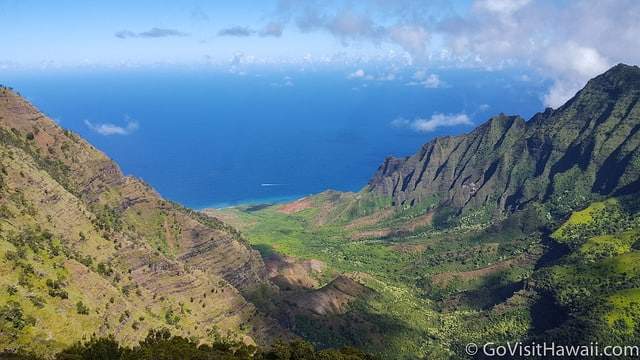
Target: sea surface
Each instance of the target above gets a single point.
(214, 138)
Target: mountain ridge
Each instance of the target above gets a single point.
(579, 137)
(516, 231)
(76, 232)
(87, 250)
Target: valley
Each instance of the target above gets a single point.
(516, 231)
(474, 254)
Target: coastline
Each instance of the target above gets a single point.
(274, 200)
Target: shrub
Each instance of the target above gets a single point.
(160, 344)
(96, 348)
(56, 289)
(444, 218)
(104, 269)
(124, 316)
(60, 293)
(86, 261)
(171, 318)
(12, 290)
(5, 213)
(12, 317)
(37, 301)
(81, 308)
(11, 255)
(107, 219)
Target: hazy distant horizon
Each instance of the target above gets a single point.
(212, 138)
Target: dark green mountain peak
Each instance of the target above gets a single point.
(585, 150)
(620, 77)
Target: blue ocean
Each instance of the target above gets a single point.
(212, 138)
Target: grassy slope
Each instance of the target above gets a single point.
(598, 283)
(87, 267)
(73, 263)
(407, 309)
(440, 289)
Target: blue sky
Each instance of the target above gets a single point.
(76, 32)
(71, 33)
(566, 42)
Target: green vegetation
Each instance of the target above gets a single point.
(433, 285)
(453, 281)
(171, 318)
(161, 344)
(107, 219)
(13, 318)
(475, 238)
(86, 250)
(597, 283)
(55, 167)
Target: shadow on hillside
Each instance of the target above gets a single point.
(359, 327)
(546, 314)
(554, 252)
(264, 250)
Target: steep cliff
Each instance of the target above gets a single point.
(585, 150)
(86, 250)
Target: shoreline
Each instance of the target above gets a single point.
(274, 200)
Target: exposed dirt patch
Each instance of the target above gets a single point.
(289, 273)
(406, 228)
(410, 248)
(371, 234)
(370, 220)
(230, 217)
(333, 298)
(418, 222)
(325, 213)
(296, 206)
(444, 278)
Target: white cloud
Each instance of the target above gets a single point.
(151, 33)
(238, 31)
(387, 77)
(567, 42)
(574, 65)
(400, 123)
(560, 92)
(432, 123)
(359, 74)
(502, 7)
(109, 129)
(571, 57)
(287, 81)
(274, 29)
(413, 39)
(351, 25)
(429, 81)
(483, 108)
(358, 23)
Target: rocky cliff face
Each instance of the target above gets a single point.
(97, 181)
(586, 149)
(74, 230)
